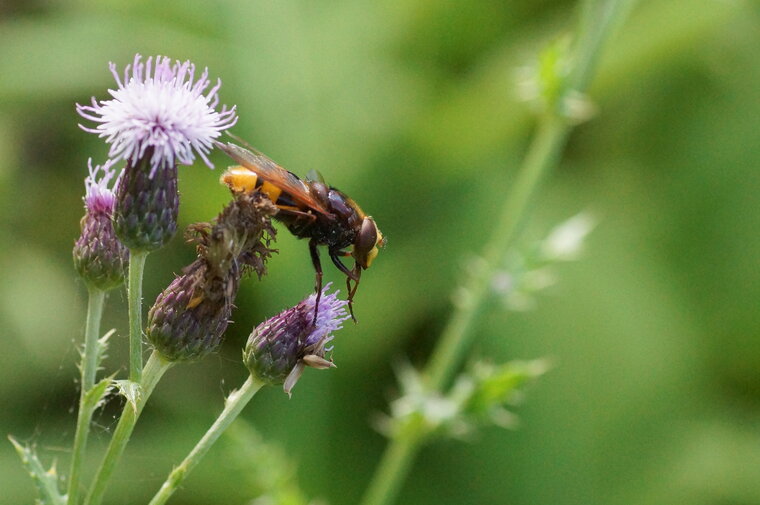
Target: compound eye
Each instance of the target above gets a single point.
(367, 237)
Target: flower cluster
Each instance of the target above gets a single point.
(160, 115)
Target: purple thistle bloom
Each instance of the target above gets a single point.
(99, 257)
(330, 317)
(159, 109)
(281, 347)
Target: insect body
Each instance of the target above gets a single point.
(310, 209)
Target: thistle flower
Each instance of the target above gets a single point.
(281, 347)
(159, 112)
(159, 116)
(189, 317)
(99, 257)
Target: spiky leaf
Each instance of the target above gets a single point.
(46, 481)
(97, 393)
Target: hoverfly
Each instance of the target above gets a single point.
(310, 209)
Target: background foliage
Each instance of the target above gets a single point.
(411, 107)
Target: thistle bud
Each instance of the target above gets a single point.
(190, 316)
(281, 347)
(147, 205)
(99, 257)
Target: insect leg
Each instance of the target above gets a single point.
(294, 211)
(357, 272)
(335, 257)
(318, 282)
(351, 275)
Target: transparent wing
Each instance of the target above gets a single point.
(273, 173)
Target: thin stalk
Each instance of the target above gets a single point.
(543, 154)
(232, 408)
(597, 21)
(392, 471)
(154, 370)
(88, 369)
(134, 293)
(457, 335)
(95, 305)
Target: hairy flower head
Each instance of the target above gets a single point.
(159, 109)
(281, 347)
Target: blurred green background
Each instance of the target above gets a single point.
(411, 107)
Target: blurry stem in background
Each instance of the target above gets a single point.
(154, 370)
(233, 405)
(598, 19)
(134, 296)
(457, 336)
(88, 369)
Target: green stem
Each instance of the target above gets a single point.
(392, 470)
(457, 336)
(134, 293)
(88, 368)
(154, 369)
(597, 21)
(91, 334)
(232, 408)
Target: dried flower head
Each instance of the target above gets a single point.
(240, 234)
(99, 257)
(159, 110)
(190, 316)
(281, 347)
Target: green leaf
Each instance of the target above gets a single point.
(94, 397)
(497, 384)
(552, 71)
(45, 480)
